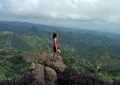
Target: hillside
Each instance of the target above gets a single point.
(85, 42)
(12, 65)
(45, 72)
(13, 41)
(79, 47)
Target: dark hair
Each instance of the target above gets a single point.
(54, 35)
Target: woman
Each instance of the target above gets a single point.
(55, 47)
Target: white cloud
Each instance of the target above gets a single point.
(106, 10)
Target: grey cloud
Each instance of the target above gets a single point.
(105, 10)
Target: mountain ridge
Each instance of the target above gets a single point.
(98, 48)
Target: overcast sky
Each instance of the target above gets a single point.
(78, 10)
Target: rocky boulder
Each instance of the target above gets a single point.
(50, 76)
(39, 74)
(44, 69)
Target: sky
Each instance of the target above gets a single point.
(53, 11)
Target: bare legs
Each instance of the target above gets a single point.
(55, 55)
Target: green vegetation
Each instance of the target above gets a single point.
(12, 65)
(97, 68)
(90, 52)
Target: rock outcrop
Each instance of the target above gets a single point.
(46, 70)
(39, 74)
(51, 76)
(43, 71)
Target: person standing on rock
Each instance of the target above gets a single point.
(55, 47)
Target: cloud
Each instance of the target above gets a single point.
(1, 7)
(61, 9)
(103, 10)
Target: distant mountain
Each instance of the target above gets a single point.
(90, 45)
(97, 25)
(87, 43)
(20, 26)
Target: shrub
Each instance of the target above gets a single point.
(116, 82)
(68, 77)
(71, 77)
(26, 79)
